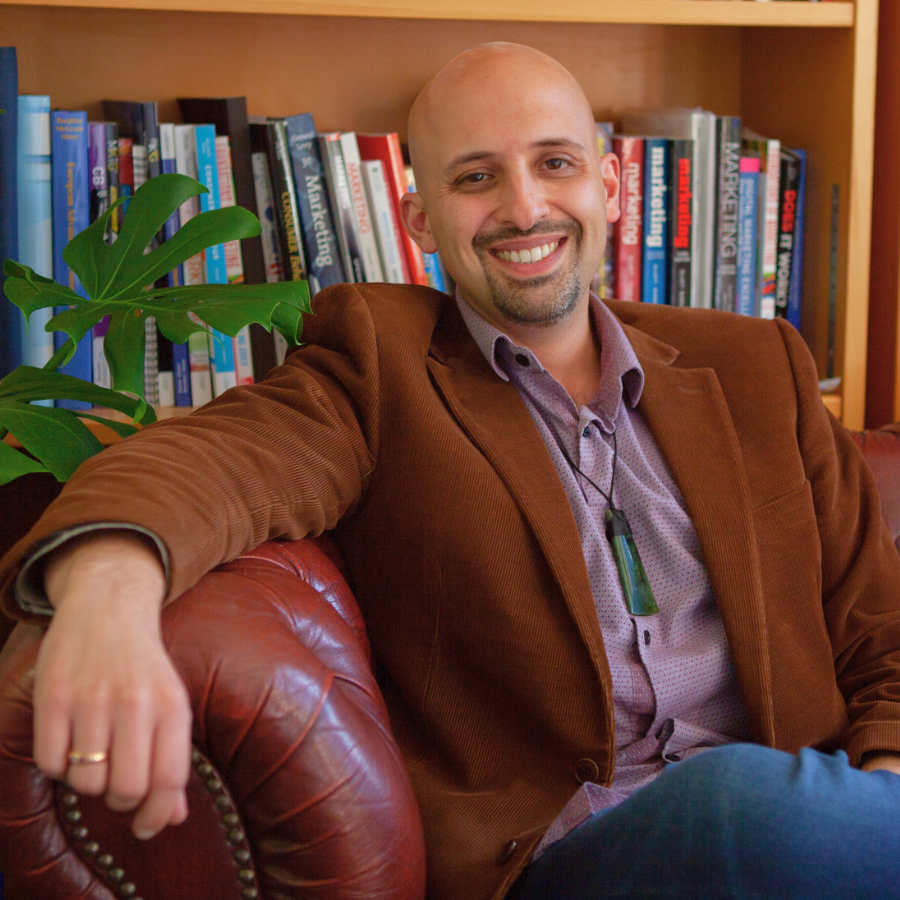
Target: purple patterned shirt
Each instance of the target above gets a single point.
(675, 692)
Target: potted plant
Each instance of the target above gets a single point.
(119, 280)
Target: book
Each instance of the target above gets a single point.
(699, 125)
(728, 141)
(99, 203)
(234, 263)
(748, 230)
(789, 181)
(387, 228)
(629, 233)
(112, 175)
(341, 205)
(795, 295)
(654, 268)
(768, 150)
(365, 231)
(386, 147)
(605, 279)
(680, 221)
(126, 176)
(265, 212)
(181, 359)
(12, 325)
(221, 349)
(317, 227)
(71, 206)
(194, 268)
(35, 217)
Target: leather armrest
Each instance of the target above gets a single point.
(297, 789)
(881, 448)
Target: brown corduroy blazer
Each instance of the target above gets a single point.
(390, 428)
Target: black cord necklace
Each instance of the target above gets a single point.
(635, 585)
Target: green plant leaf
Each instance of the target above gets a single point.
(123, 429)
(28, 383)
(123, 347)
(55, 436)
(30, 291)
(14, 464)
(79, 320)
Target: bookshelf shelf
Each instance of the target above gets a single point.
(800, 71)
(659, 12)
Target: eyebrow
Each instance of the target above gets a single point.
(481, 155)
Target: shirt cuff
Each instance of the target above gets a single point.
(29, 589)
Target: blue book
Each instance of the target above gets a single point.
(654, 269)
(320, 242)
(181, 358)
(748, 232)
(221, 346)
(795, 293)
(71, 215)
(12, 325)
(36, 217)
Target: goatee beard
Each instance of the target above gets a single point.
(524, 302)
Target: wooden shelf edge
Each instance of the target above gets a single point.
(780, 13)
(833, 403)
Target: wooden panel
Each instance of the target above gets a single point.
(701, 12)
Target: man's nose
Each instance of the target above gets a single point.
(524, 201)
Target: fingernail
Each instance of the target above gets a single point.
(144, 835)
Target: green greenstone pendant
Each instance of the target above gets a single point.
(638, 595)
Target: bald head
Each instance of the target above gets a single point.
(469, 88)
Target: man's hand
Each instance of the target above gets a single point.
(105, 684)
(886, 760)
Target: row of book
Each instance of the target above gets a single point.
(328, 204)
(712, 215)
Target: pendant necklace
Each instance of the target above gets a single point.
(635, 585)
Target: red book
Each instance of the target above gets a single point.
(628, 238)
(386, 147)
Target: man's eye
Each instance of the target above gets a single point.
(473, 178)
(556, 163)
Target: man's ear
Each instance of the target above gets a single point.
(609, 171)
(415, 221)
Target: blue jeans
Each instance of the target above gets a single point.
(740, 821)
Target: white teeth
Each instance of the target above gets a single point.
(527, 256)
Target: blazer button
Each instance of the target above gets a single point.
(586, 770)
(509, 851)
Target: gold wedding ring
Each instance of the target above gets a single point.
(76, 758)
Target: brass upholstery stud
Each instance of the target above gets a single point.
(236, 837)
(223, 804)
(246, 876)
(127, 889)
(91, 848)
(214, 786)
(116, 875)
(231, 819)
(73, 816)
(105, 860)
(80, 833)
(204, 770)
(250, 893)
(70, 800)
(242, 856)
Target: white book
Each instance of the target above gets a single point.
(700, 126)
(198, 343)
(769, 152)
(265, 212)
(384, 220)
(368, 243)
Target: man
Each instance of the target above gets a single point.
(466, 452)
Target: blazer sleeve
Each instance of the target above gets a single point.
(860, 567)
(280, 459)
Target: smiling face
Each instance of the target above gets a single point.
(513, 192)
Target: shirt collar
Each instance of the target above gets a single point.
(620, 368)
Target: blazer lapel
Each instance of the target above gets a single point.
(492, 414)
(689, 418)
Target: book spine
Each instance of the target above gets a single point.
(12, 324)
(126, 176)
(794, 309)
(386, 225)
(771, 154)
(71, 206)
(313, 207)
(181, 362)
(112, 176)
(99, 203)
(627, 245)
(35, 217)
(748, 227)
(341, 205)
(265, 212)
(368, 245)
(728, 130)
(224, 375)
(654, 288)
(681, 221)
(787, 218)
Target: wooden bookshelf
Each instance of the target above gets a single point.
(804, 72)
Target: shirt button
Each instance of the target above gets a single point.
(522, 359)
(586, 770)
(508, 852)
(587, 431)
(646, 636)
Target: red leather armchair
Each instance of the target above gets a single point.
(297, 788)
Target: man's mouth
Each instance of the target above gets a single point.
(535, 254)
